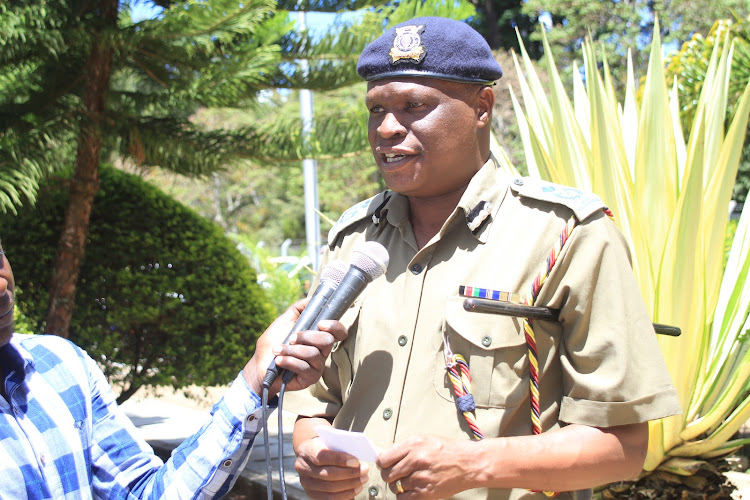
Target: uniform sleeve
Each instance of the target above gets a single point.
(613, 369)
(322, 399)
(206, 465)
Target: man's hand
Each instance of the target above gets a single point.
(427, 466)
(329, 475)
(305, 354)
(571, 458)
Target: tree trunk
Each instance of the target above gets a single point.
(127, 393)
(85, 182)
(493, 32)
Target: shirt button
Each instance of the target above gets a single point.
(518, 182)
(43, 459)
(402, 340)
(373, 490)
(387, 413)
(486, 341)
(227, 462)
(416, 269)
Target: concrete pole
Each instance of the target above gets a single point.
(310, 169)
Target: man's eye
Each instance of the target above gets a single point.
(415, 105)
(376, 109)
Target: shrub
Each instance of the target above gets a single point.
(163, 298)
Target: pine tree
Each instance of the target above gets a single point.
(81, 81)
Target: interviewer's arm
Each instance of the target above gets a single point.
(207, 464)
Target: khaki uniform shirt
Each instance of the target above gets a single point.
(599, 366)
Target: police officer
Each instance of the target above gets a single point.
(555, 407)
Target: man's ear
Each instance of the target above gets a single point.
(484, 103)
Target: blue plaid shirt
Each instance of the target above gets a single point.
(62, 434)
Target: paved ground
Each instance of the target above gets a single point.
(165, 419)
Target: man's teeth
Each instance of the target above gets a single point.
(391, 157)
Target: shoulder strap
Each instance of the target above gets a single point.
(582, 203)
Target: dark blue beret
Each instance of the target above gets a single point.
(432, 47)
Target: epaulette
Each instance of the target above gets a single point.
(582, 203)
(356, 213)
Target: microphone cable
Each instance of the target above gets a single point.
(280, 439)
(367, 264)
(330, 277)
(279, 436)
(269, 476)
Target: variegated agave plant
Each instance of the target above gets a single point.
(670, 197)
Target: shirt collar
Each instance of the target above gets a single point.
(482, 198)
(479, 203)
(14, 358)
(396, 210)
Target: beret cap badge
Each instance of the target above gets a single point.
(407, 45)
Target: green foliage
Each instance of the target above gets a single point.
(212, 53)
(622, 26)
(163, 297)
(20, 321)
(690, 63)
(267, 200)
(688, 67)
(40, 61)
(283, 284)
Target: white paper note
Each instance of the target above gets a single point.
(353, 443)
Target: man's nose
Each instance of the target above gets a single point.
(391, 126)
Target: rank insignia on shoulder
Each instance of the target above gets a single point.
(582, 203)
(407, 46)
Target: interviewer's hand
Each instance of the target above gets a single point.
(305, 354)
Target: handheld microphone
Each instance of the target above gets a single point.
(368, 262)
(330, 277)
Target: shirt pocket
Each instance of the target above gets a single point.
(494, 346)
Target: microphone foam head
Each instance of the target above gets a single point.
(372, 258)
(334, 272)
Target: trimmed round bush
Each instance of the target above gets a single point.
(163, 297)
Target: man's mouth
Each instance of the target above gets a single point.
(393, 157)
